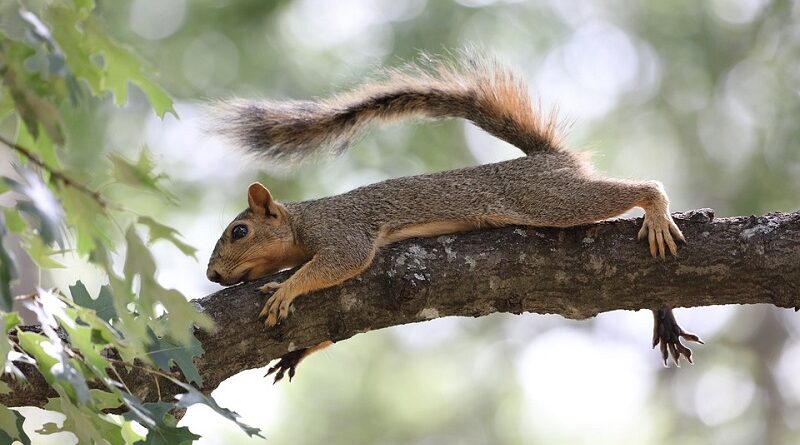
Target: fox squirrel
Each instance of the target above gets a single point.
(336, 238)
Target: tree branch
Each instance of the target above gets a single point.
(66, 180)
(576, 272)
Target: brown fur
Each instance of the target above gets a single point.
(426, 230)
(475, 88)
(338, 236)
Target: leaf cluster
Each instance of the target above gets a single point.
(55, 57)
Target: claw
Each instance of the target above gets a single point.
(673, 248)
(676, 231)
(277, 306)
(287, 365)
(676, 354)
(651, 238)
(284, 310)
(668, 333)
(264, 311)
(659, 230)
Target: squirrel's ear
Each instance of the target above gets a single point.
(260, 200)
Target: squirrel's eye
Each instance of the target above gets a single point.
(239, 231)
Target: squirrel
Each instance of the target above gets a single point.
(335, 238)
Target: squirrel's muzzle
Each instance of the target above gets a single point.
(213, 275)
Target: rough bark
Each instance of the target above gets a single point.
(576, 272)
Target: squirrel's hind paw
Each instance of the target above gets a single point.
(660, 231)
(287, 364)
(269, 287)
(668, 333)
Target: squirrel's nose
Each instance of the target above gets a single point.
(213, 275)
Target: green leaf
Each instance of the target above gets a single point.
(11, 23)
(133, 327)
(89, 344)
(8, 272)
(138, 259)
(103, 305)
(40, 253)
(14, 220)
(103, 335)
(84, 7)
(40, 205)
(139, 175)
(82, 40)
(11, 427)
(164, 352)
(87, 218)
(6, 104)
(32, 109)
(193, 396)
(57, 368)
(160, 231)
(181, 316)
(104, 400)
(22, 28)
(8, 321)
(165, 430)
(128, 335)
(82, 420)
(136, 410)
(131, 435)
(41, 145)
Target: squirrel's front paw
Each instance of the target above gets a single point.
(659, 230)
(667, 332)
(277, 307)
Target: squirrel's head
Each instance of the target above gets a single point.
(257, 243)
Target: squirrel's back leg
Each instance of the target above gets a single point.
(598, 199)
(592, 200)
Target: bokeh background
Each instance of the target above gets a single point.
(703, 96)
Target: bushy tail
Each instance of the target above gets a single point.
(475, 88)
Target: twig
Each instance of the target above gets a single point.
(141, 368)
(158, 387)
(119, 377)
(66, 180)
